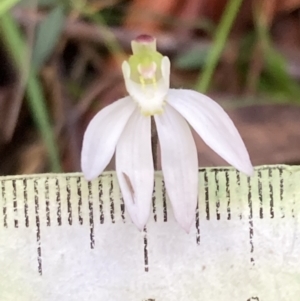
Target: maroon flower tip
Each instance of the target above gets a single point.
(144, 38)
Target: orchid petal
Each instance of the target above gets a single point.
(213, 125)
(134, 165)
(101, 136)
(179, 164)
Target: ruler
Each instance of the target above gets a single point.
(63, 238)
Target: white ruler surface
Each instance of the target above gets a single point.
(62, 238)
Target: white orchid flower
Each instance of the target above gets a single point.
(125, 127)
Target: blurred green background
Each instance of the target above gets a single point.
(60, 64)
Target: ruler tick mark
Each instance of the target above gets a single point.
(238, 181)
(100, 187)
(38, 229)
(164, 199)
(4, 208)
(91, 216)
(79, 200)
(197, 224)
(271, 194)
(206, 195)
(25, 203)
(15, 203)
(217, 196)
(251, 229)
(69, 204)
(48, 219)
(111, 199)
(281, 193)
(58, 202)
(154, 203)
(122, 206)
(146, 259)
(228, 195)
(260, 193)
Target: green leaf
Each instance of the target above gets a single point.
(39, 3)
(276, 72)
(48, 34)
(194, 58)
(47, 2)
(15, 44)
(6, 5)
(230, 13)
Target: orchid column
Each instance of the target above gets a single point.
(124, 127)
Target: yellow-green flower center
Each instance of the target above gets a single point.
(145, 63)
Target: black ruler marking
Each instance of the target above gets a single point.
(4, 208)
(146, 258)
(197, 224)
(281, 193)
(122, 205)
(111, 200)
(100, 187)
(15, 203)
(48, 218)
(260, 196)
(38, 229)
(58, 202)
(164, 199)
(228, 195)
(79, 200)
(271, 194)
(69, 204)
(238, 181)
(217, 196)
(206, 195)
(26, 208)
(251, 229)
(154, 203)
(91, 215)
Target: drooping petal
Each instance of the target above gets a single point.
(179, 164)
(134, 166)
(101, 136)
(213, 125)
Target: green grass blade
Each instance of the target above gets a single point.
(220, 39)
(16, 47)
(6, 5)
(47, 36)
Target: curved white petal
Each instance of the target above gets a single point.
(179, 164)
(213, 125)
(134, 166)
(101, 136)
